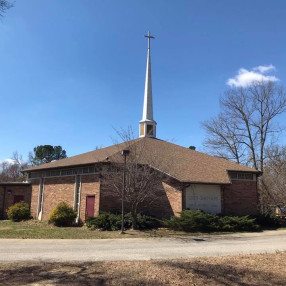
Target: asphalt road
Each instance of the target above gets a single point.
(62, 250)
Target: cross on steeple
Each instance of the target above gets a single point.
(149, 37)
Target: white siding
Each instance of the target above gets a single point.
(204, 197)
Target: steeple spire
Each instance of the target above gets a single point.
(147, 124)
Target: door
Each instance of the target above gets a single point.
(89, 209)
(204, 197)
(18, 199)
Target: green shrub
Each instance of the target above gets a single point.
(62, 215)
(205, 222)
(236, 223)
(145, 221)
(19, 211)
(110, 221)
(268, 221)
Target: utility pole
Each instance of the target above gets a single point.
(124, 153)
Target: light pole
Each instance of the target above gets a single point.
(124, 153)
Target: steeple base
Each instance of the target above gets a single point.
(147, 128)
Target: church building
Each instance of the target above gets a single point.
(189, 179)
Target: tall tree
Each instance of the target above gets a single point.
(246, 123)
(10, 171)
(46, 153)
(273, 181)
(4, 6)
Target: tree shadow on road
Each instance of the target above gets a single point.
(244, 270)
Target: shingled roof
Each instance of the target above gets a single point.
(179, 162)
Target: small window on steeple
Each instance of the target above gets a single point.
(141, 129)
(150, 129)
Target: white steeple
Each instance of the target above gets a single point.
(147, 126)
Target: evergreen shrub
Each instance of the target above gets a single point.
(19, 211)
(63, 215)
(268, 220)
(204, 222)
(111, 221)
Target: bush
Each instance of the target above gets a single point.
(145, 221)
(19, 211)
(107, 221)
(62, 215)
(236, 223)
(110, 221)
(268, 221)
(205, 222)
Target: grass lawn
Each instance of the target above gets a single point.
(258, 269)
(38, 229)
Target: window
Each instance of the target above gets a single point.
(64, 172)
(141, 129)
(241, 176)
(150, 129)
(34, 175)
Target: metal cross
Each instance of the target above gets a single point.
(149, 37)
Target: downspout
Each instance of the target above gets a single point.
(78, 194)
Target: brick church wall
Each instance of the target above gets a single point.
(240, 198)
(10, 192)
(57, 190)
(90, 185)
(34, 197)
(167, 201)
(61, 189)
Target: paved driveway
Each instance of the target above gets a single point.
(61, 250)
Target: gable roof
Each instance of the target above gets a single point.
(184, 164)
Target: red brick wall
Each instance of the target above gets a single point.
(175, 197)
(24, 190)
(35, 197)
(109, 200)
(167, 201)
(240, 198)
(57, 190)
(89, 186)
(61, 189)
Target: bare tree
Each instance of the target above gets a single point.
(246, 123)
(4, 6)
(143, 182)
(10, 171)
(273, 181)
(223, 138)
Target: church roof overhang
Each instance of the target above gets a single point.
(181, 163)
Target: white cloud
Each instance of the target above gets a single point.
(246, 77)
(264, 69)
(9, 161)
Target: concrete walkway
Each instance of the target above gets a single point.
(62, 250)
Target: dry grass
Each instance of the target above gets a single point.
(34, 229)
(262, 269)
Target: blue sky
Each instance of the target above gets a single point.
(71, 71)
